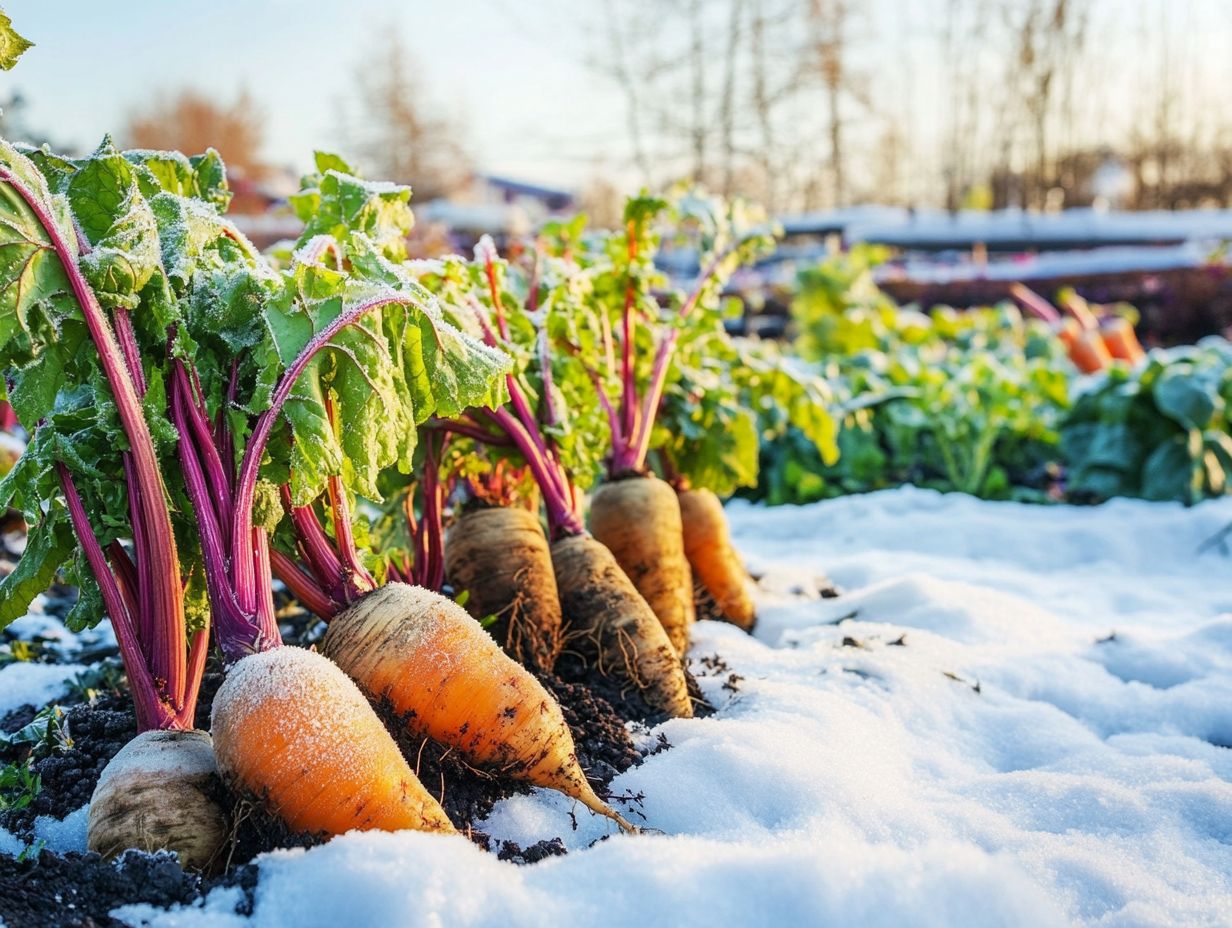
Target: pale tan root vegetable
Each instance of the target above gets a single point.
(501, 558)
(446, 677)
(715, 563)
(291, 728)
(611, 626)
(159, 793)
(638, 520)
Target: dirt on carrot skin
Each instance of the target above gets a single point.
(468, 794)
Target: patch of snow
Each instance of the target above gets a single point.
(66, 835)
(26, 683)
(10, 844)
(38, 623)
(1017, 715)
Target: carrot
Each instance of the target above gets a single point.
(1089, 354)
(1079, 309)
(290, 728)
(638, 519)
(707, 544)
(159, 793)
(615, 629)
(500, 556)
(1121, 341)
(613, 626)
(1068, 331)
(449, 680)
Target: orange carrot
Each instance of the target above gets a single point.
(1121, 340)
(446, 677)
(638, 519)
(290, 728)
(1069, 331)
(715, 563)
(1089, 354)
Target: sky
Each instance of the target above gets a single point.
(514, 74)
(515, 77)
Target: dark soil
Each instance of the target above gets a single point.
(79, 890)
(465, 793)
(624, 698)
(540, 850)
(69, 776)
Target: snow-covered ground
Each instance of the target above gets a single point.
(1014, 715)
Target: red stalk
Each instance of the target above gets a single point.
(628, 398)
(302, 586)
(160, 594)
(151, 705)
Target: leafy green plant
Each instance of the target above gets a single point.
(967, 401)
(19, 785)
(1160, 431)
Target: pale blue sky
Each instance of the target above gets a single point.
(516, 77)
(513, 72)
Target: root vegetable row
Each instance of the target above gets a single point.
(387, 438)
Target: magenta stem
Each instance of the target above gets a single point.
(168, 660)
(243, 578)
(152, 709)
(302, 587)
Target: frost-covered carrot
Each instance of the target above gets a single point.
(57, 245)
(288, 726)
(449, 680)
(715, 563)
(291, 726)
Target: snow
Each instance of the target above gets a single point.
(26, 683)
(1050, 265)
(40, 624)
(1014, 715)
(63, 835)
(925, 228)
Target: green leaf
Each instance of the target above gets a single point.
(1173, 470)
(12, 45)
(1190, 400)
(49, 545)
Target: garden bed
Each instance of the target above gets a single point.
(1016, 714)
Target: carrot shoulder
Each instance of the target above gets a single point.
(291, 728)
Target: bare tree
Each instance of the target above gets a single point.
(828, 20)
(397, 136)
(192, 122)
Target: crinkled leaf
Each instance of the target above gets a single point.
(12, 44)
(49, 545)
